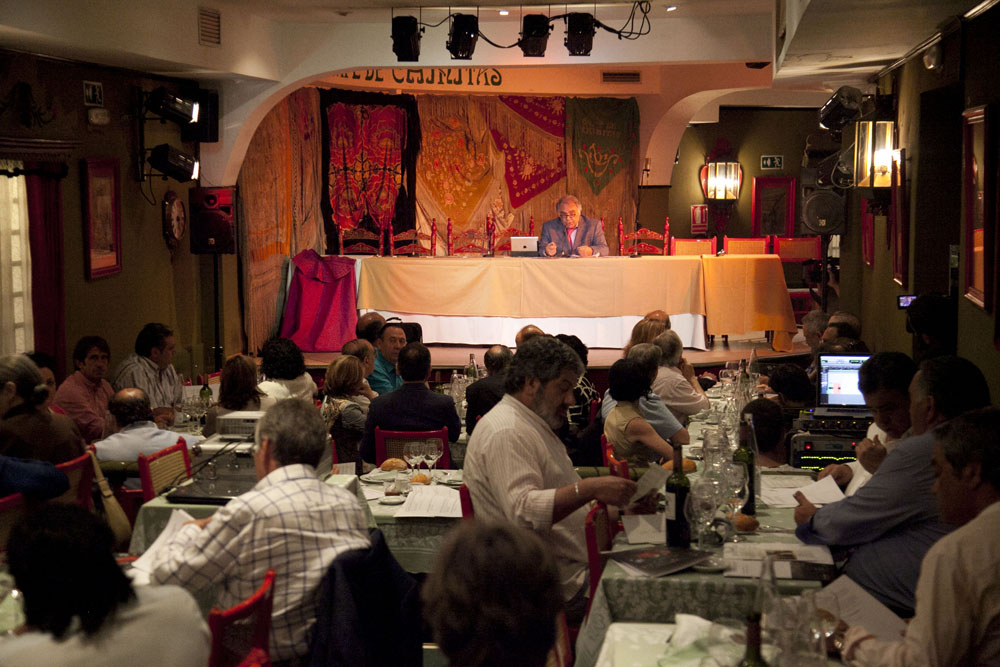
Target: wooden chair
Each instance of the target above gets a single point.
(615, 466)
(501, 239)
(390, 444)
(798, 248)
(599, 531)
(243, 630)
(361, 241)
(466, 499)
(413, 241)
(637, 242)
(163, 468)
(692, 246)
(469, 242)
(745, 246)
(80, 473)
(12, 508)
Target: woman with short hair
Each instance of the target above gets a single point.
(237, 391)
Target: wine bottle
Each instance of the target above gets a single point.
(752, 657)
(205, 393)
(745, 455)
(676, 492)
(471, 371)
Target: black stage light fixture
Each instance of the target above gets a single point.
(463, 36)
(843, 107)
(534, 35)
(173, 163)
(580, 34)
(406, 38)
(165, 104)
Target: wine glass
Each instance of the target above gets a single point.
(736, 479)
(413, 453)
(701, 505)
(433, 450)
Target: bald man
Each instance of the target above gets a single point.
(137, 433)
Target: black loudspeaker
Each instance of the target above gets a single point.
(212, 230)
(206, 130)
(822, 208)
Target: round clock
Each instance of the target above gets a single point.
(174, 218)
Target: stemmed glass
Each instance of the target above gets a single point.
(702, 503)
(736, 486)
(433, 450)
(413, 453)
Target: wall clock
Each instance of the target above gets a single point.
(174, 219)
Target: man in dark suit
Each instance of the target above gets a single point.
(412, 407)
(484, 394)
(572, 234)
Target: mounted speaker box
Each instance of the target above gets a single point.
(212, 231)
(822, 208)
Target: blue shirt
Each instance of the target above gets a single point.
(892, 521)
(653, 409)
(384, 379)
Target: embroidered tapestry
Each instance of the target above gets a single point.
(602, 135)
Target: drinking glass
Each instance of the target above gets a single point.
(413, 453)
(433, 450)
(736, 478)
(702, 503)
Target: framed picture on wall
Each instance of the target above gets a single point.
(102, 230)
(867, 234)
(978, 194)
(773, 206)
(899, 214)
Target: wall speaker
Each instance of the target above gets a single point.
(212, 224)
(822, 208)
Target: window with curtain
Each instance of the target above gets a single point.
(16, 325)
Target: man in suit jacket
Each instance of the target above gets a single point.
(485, 393)
(571, 234)
(412, 407)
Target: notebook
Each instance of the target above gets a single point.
(838, 392)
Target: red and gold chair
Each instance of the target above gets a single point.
(693, 246)
(746, 246)
(359, 241)
(637, 242)
(415, 243)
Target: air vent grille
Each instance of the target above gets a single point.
(209, 27)
(621, 77)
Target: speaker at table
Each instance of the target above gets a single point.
(212, 231)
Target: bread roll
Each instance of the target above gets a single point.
(420, 478)
(689, 465)
(745, 523)
(393, 464)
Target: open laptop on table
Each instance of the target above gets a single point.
(838, 391)
(523, 246)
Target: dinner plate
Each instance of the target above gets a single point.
(379, 476)
(392, 500)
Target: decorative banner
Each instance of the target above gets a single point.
(530, 132)
(603, 133)
(699, 219)
(547, 113)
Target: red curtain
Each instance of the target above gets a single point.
(45, 231)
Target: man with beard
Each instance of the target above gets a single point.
(517, 469)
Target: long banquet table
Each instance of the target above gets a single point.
(733, 294)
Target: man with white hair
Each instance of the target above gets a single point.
(572, 234)
(675, 381)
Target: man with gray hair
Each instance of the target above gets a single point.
(517, 468)
(290, 522)
(572, 234)
(651, 406)
(676, 382)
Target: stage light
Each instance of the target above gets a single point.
(173, 163)
(406, 38)
(534, 35)
(463, 36)
(842, 108)
(580, 34)
(165, 104)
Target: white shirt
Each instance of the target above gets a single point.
(301, 387)
(682, 399)
(513, 466)
(138, 438)
(957, 619)
(163, 387)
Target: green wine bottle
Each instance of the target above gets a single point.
(745, 455)
(676, 492)
(765, 586)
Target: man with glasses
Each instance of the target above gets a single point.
(572, 234)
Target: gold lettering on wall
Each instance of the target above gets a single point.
(473, 77)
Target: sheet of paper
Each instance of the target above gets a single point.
(177, 519)
(822, 492)
(655, 478)
(756, 551)
(750, 569)
(858, 607)
(431, 501)
(645, 528)
(372, 492)
(784, 481)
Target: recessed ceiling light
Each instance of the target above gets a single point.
(671, 8)
(504, 12)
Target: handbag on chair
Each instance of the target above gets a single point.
(111, 509)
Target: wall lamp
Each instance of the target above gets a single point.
(874, 153)
(173, 163)
(166, 105)
(721, 181)
(580, 30)
(535, 30)
(462, 36)
(406, 38)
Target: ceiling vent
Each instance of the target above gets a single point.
(621, 77)
(209, 27)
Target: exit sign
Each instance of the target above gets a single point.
(772, 161)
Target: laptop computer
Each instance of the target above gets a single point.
(838, 393)
(523, 246)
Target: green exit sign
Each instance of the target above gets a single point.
(772, 161)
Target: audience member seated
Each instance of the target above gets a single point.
(483, 394)
(238, 391)
(137, 432)
(414, 407)
(28, 430)
(931, 318)
(391, 339)
(476, 616)
(645, 331)
(368, 327)
(792, 386)
(675, 381)
(151, 369)
(660, 315)
(651, 406)
(284, 369)
(578, 415)
(364, 352)
(345, 417)
(517, 470)
(631, 437)
(290, 522)
(37, 480)
(47, 367)
(84, 395)
(769, 430)
(526, 333)
(892, 521)
(813, 325)
(81, 608)
(957, 619)
(884, 381)
(841, 328)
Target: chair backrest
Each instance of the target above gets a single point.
(80, 473)
(638, 241)
(390, 444)
(745, 246)
(468, 512)
(368, 243)
(561, 654)
(11, 510)
(617, 467)
(163, 468)
(595, 409)
(413, 242)
(501, 239)
(471, 241)
(692, 246)
(244, 628)
(599, 531)
(798, 248)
